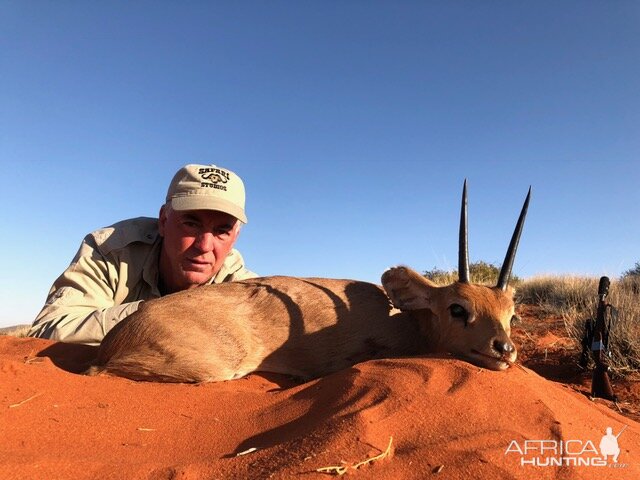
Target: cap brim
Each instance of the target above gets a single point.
(205, 202)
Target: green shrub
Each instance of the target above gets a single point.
(481, 272)
(632, 272)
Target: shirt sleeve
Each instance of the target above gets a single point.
(233, 269)
(80, 307)
(242, 274)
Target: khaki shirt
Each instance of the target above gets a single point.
(115, 269)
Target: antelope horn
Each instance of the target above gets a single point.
(463, 244)
(507, 265)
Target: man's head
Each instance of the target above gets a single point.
(199, 223)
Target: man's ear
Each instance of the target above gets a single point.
(162, 220)
(236, 229)
(407, 289)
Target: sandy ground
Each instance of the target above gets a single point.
(442, 417)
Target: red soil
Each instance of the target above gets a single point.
(446, 418)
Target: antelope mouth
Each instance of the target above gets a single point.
(489, 361)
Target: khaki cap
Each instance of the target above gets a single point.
(207, 187)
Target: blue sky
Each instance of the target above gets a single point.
(353, 125)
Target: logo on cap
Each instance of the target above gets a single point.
(215, 177)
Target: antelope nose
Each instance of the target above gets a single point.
(503, 347)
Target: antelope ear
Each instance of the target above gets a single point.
(407, 289)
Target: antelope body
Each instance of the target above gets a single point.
(308, 327)
(302, 327)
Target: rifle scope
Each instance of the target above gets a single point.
(603, 286)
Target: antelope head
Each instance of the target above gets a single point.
(468, 320)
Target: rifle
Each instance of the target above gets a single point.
(600, 383)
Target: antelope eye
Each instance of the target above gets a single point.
(514, 320)
(459, 312)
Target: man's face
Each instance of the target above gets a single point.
(194, 247)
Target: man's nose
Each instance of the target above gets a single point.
(204, 242)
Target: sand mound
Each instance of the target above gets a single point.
(446, 419)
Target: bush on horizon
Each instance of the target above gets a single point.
(481, 272)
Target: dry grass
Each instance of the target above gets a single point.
(575, 300)
(16, 331)
(344, 468)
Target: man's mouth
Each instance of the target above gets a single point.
(194, 264)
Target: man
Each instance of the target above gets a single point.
(118, 267)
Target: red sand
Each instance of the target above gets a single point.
(444, 415)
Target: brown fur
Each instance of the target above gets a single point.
(302, 327)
